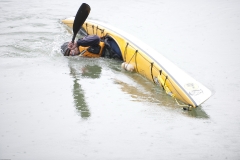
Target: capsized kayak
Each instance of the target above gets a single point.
(150, 64)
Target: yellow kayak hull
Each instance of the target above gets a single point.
(151, 64)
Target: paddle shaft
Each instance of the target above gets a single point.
(80, 18)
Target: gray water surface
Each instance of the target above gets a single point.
(56, 107)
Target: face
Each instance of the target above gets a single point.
(74, 51)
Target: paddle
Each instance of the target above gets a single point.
(80, 18)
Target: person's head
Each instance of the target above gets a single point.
(64, 49)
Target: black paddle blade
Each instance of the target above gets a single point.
(80, 18)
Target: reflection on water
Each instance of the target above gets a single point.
(139, 88)
(93, 72)
(145, 91)
(87, 71)
(197, 113)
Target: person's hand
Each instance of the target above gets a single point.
(72, 45)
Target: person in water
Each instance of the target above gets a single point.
(93, 46)
(86, 41)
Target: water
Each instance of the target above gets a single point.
(54, 107)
